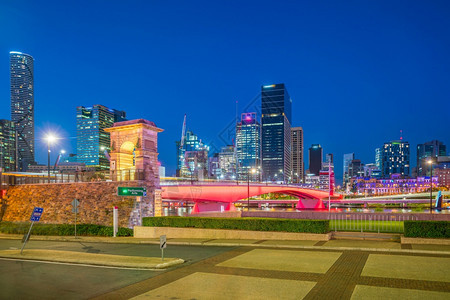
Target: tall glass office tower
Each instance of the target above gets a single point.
(248, 147)
(426, 151)
(315, 159)
(347, 160)
(298, 169)
(7, 146)
(192, 158)
(22, 106)
(276, 107)
(92, 140)
(395, 158)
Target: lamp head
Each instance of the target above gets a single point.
(50, 138)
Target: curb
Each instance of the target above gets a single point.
(209, 244)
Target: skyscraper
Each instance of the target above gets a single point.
(347, 160)
(395, 158)
(22, 106)
(425, 151)
(355, 168)
(7, 146)
(378, 158)
(276, 106)
(248, 146)
(315, 159)
(227, 162)
(92, 140)
(192, 158)
(298, 167)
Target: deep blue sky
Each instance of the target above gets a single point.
(358, 71)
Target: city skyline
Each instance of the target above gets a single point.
(352, 79)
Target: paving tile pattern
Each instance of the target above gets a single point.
(338, 282)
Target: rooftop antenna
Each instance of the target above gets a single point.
(401, 134)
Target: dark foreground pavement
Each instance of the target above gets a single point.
(338, 269)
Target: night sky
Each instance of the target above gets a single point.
(358, 72)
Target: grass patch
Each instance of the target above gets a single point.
(367, 226)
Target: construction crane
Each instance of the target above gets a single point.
(183, 133)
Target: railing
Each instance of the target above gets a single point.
(369, 222)
(10, 179)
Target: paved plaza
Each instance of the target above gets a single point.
(337, 269)
(268, 273)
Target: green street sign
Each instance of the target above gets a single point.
(131, 191)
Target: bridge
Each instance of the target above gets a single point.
(217, 196)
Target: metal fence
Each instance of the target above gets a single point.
(10, 179)
(369, 222)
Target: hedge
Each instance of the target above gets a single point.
(427, 229)
(255, 224)
(62, 229)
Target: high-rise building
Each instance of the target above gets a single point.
(315, 159)
(227, 162)
(442, 170)
(298, 167)
(196, 164)
(92, 139)
(426, 150)
(192, 157)
(347, 160)
(22, 106)
(276, 107)
(7, 146)
(378, 158)
(355, 168)
(213, 166)
(371, 170)
(248, 147)
(395, 158)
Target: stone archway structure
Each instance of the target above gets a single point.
(134, 151)
(134, 157)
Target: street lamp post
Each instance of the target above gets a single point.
(431, 186)
(248, 187)
(50, 139)
(329, 185)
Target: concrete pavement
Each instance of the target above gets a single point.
(341, 244)
(258, 269)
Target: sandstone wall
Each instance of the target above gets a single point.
(97, 200)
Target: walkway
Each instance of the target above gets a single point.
(260, 269)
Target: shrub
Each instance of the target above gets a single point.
(62, 229)
(255, 224)
(427, 229)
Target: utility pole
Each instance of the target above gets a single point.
(329, 185)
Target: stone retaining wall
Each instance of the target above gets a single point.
(408, 240)
(97, 200)
(202, 233)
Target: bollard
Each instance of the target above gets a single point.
(115, 220)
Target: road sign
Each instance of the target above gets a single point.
(162, 245)
(131, 191)
(75, 203)
(36, 215)
(162, 242)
